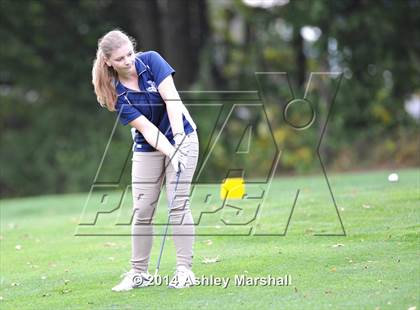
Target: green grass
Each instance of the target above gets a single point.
(377, 265)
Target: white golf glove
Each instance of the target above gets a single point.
(178, 161)
(180, 141)
(179, 158)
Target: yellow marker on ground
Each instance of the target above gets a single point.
(232, 188)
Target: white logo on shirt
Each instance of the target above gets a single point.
(152, 87)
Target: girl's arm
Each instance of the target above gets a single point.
(153, 135)
(174, 105)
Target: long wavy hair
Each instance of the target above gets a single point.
(103, 76)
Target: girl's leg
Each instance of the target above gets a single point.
(147, 175)
(181, 219)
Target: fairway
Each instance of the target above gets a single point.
(375, 266)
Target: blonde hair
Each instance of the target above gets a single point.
(103, 76)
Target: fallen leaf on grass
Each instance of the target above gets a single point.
(109, 244)
(309, 231)
(27, 236)
(208, 260)
(337, 245)
(32, 265)
(333, 269)
(65, 291)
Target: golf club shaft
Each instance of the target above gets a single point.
(167, 224)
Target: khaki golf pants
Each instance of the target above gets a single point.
(148, 172)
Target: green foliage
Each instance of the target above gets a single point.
(374, 45)
(53, 132)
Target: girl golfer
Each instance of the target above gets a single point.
(140, 88)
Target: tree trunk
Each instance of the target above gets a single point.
(300, 57)
(144, 16)
(199, 30)
(177, 40)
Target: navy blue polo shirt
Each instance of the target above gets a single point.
(131, 104)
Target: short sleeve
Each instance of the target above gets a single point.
(160, 68)
(126, 111)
